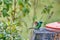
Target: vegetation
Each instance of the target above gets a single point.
(12, 19)
(17, 16)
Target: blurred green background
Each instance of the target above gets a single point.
(24, 30)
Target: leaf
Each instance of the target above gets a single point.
(26, 1)
(8, 30)
(7, 7)
(44, 11)
(11, 29)
(1, 35)
(8, 2)
(47, 9)
(21, 7)
(5, 25)
(25, 10)
(29, 4)
(0, 2)
(20, 2)
(35, 17)
(4, 12)
(18, 23)
(50, 6)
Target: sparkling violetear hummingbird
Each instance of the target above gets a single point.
(38, 24)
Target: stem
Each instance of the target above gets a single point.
(35, 6)
(49, 16)
(13, 14)
(14, 11)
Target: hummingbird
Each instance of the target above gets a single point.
(38, 24)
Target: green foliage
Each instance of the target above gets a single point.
(25, 11)
(8, 32)
(0, 2)
(1, 35)
(24, 6)
(26, 1)
(4, 12)
(7, 7)
(8, 29)
(35, 17)
(47, 9)
(20, 2)
(8, 2)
